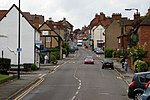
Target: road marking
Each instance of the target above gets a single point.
(79, 87)
(41, 79)
(104, 93)
(119, 78)
(73, 98)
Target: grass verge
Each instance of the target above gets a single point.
(5, 78)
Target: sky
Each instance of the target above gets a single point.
(78, 12)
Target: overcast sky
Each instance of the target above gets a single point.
(78, 12)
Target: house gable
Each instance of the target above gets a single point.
(112, 32)
(9, 27)
(25, 15)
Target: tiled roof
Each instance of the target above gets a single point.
(28, 16)
(2, 13)
(146, 21)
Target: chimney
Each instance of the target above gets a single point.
(148, 12)
(64, 19)
(36, 21)
(50, 19)
(116, 16)
(102, 16)
(136, 16)
(96, 15)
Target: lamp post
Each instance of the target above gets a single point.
(18, 49)
(137, 12)
(137, 19)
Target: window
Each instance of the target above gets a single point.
(48, 39)
(44, 32)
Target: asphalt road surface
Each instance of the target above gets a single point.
(75, 80)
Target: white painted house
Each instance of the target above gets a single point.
(9, 38)
(98, 36)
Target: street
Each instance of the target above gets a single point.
(75, 80)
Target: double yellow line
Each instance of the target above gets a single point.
(41, 79)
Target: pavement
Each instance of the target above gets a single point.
(10, 89)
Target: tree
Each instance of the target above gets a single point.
(138, 52)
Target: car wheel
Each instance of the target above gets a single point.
(137, 96)
(112, 68)
(102, 67)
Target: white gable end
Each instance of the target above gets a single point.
(9, 27)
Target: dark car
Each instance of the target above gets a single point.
(136, 87)
(72, 49)
(76, 47)
(88, 60)
(107, 64)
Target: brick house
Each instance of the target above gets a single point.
(117, 32)
(144, 34)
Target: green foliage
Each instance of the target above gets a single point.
(53, 59)
(42, 57)
(65, 47)
(4, 64)
(148, 63)
(56, 54)
(108, 52)
(138, 52)
(33, 67)
(116, 54)
(64, 51)
(140, 66)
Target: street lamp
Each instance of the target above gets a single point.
(137, 12)
(137, 19)
(19, 49)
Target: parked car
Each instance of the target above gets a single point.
(136, 87)
(107, 64)
(72, 49)
(76, 47)
(98, 51)
(88, 60)
(146, 94)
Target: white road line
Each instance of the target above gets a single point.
(79, 87)
(73, 97)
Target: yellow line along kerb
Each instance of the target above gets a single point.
(41, 79)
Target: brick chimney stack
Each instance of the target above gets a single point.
(148, 12)
(136, 16)
(116, 16)
(102, 16)
(36, 21)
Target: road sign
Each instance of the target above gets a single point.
(19, 49)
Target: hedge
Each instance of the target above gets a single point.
(5, 63)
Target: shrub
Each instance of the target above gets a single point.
(56, 52)
(114, 54)
(140, 66)
(4, 64)
(108, 52)
(53, 59)
(64, 51)
(33, 67)
(65, 45)
(42, 57)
